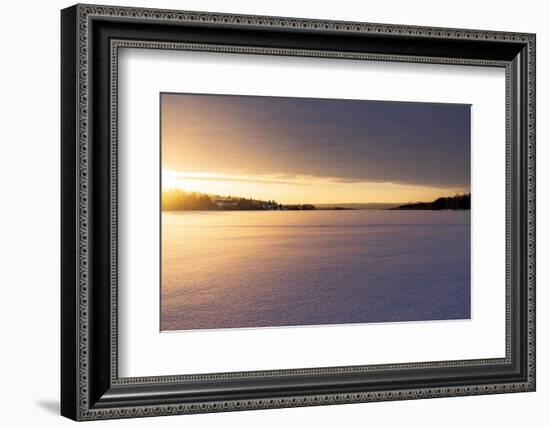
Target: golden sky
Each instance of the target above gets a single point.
(315, 151)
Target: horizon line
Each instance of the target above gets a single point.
(318, 202)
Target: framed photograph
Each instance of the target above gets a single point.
(263, 212)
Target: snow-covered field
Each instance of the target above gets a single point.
(285, 268)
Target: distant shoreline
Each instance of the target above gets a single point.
(177, 200)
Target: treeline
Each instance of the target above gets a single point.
(457, 202)
(175, 199)
(247, 204)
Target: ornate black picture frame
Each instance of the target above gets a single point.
(90, 38)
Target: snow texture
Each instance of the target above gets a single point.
(257, 269)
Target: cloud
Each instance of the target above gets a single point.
(208, 176)
(348, 140)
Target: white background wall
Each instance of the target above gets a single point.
(29, 212)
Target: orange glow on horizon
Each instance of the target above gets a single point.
(301, 189)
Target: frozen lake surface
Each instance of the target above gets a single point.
(286, 268)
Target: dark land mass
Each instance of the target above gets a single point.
(176, 200)
(458, 202)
